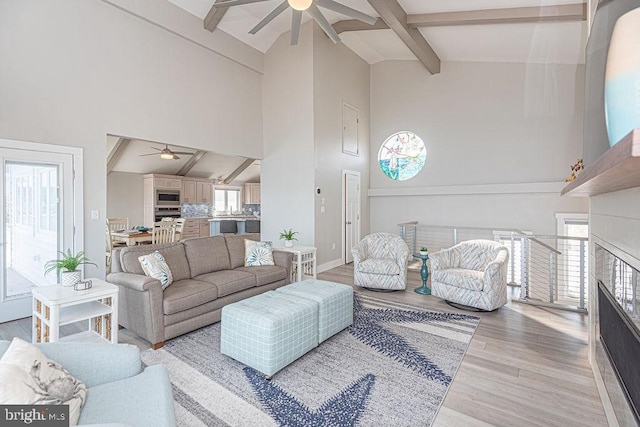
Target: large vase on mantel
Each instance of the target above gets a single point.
(622, 78)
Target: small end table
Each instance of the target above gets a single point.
(424, 273)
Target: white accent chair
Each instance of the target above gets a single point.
(380, 262)
(472, 273)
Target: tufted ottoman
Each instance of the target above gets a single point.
(335, 302)
(269, 331)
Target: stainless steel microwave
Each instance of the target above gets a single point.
(167, 197)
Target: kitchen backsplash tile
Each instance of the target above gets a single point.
(196, 210)
(249, 209)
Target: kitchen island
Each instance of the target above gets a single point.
(214, 223)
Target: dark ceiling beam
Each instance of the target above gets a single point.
(396, 18)
(238, 171)
(214, 16)
(116, 152)
(197, 156)
(355, 25)
(514, 15)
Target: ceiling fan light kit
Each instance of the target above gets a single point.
(167, 154)
(299, 6)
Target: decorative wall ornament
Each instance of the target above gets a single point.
(402, 155)
(622, 78)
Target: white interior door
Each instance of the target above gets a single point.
(36, 196)
(351, 212)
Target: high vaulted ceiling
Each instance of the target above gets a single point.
(533, 31)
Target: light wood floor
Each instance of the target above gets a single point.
(525, 366)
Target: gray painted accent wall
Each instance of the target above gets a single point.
(482, 123)
(73, 71)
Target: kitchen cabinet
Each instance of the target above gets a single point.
(252, 193)
(197, 192)
(167, 183)
(195, 227)
(204, 192)
(189, 191)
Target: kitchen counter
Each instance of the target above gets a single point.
(236, 218)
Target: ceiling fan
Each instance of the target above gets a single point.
(299, 6)
(166, 153)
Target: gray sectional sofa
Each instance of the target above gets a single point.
(208, 273)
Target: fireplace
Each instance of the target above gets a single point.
(619, 327)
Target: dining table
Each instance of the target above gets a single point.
(131, 238)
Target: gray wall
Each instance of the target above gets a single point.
(304, 87)
(73, 71)
(339, 75)
(500, 140)
(125, 192)
(287, 182)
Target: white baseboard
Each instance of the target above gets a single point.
(329, 265)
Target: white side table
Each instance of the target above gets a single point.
(56, 305)
(304, 262)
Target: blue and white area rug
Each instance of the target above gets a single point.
(393, 366)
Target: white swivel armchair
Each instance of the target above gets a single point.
(472, 273)
(380, 262)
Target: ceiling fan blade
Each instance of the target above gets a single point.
(296, 20)
(346, 10)
(236, 3)
(150, 154)
(275, 12)
(324, 24)
(182, 152)
(175, 157)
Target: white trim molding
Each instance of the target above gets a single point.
(449, 190)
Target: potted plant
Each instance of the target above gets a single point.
(424, 250)
(287, 235)
(69, 264)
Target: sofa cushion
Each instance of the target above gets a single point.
(460, 278)
(379, 266)
(155, 266)
(207, 254)
(266, 274)
(235, 244)
(229, 281)
(173, 254)
(186, 294)
(257, 253)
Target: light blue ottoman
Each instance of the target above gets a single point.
(335, 300)
(269, 331)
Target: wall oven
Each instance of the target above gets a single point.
(168, 198)
(167, 212)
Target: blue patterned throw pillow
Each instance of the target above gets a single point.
(257, 253)
(155, 266)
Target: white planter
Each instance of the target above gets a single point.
(288, 243)
(70, 278)
(424, 253)
(622, 78)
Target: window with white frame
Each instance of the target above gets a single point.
(226, 200)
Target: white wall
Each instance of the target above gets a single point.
(73, 71)
(489, 129)
(287, 170)
(125, 192)
(339, 75)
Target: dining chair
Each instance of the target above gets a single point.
(163, 232)
(117, 224)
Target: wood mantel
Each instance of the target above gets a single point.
(617, 169)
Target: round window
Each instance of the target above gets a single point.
(402, 155)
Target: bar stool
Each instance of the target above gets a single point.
(228, 227)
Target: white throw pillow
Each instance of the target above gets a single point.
(257, 253)
(155, 266)
(29, 377)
